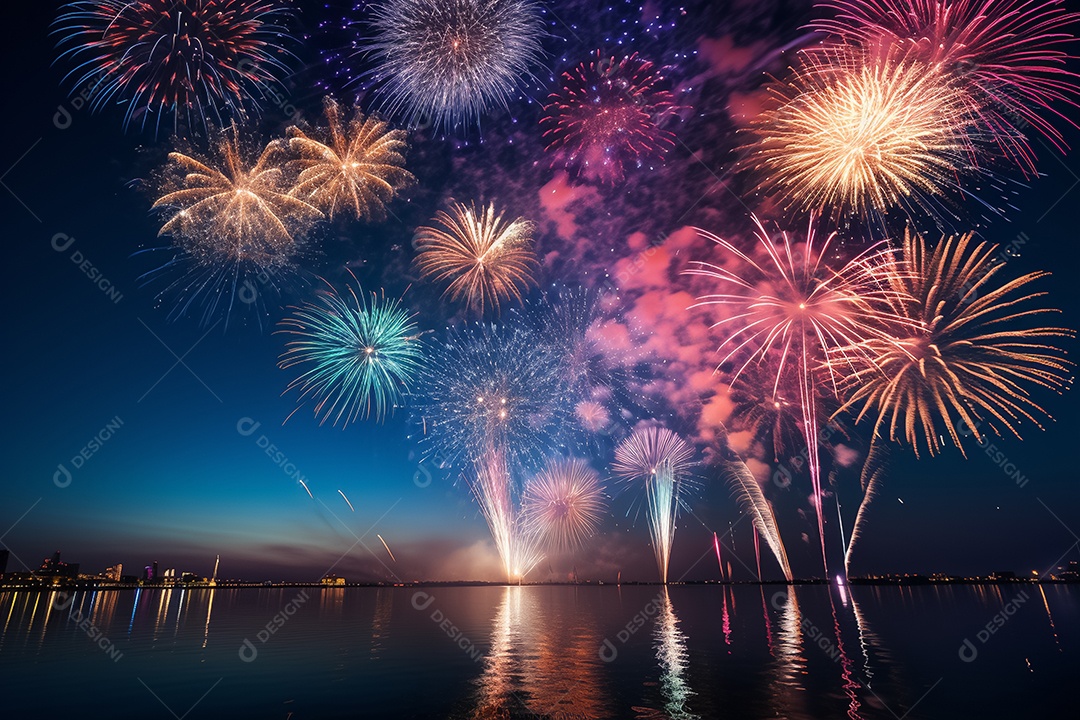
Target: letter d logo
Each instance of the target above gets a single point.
(422, 600)
(608, 652)
(248, 652)
(246, 426)
(62, 477)
(968, 652)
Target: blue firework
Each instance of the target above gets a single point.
(358, 354)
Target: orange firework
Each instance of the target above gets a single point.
(969, 355)
(855, 132)
(358, 169)
(228, 210)
(484, 259)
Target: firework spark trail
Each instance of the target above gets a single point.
(481, 258)
(873, 473)
(359, 169)
(1010, 56)
(358, 355)
(608, 115)
(448, 62)
(180, 57)
(343, 497)
(661, 460)
(564, 504)
(386, 546)
(753, 500)
(798, 306)
(719, 559)
(493, 487)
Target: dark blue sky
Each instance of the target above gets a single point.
(178, 483)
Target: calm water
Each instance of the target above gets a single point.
(559, 652)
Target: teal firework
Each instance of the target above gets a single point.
(358, 354)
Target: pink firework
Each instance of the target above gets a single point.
(790, 309)
(1008, 55)
(609, 115)
(592, 415)
(564, 504)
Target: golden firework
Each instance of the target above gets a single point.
(858, 132)
(484, 259)
(228, 209)
(968, 359)
(358, 169)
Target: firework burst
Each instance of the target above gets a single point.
(495, 386)
(662, 461)
(608, 115)
(564, 504)
(480, 257)
(186, 58)
(358, 355)
(449, 61)
(1009, 55)
(231, 208)
(855, 133)
(968, 356)
(791, 310)
(231, 220)
(357, 170)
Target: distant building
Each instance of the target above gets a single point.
(333, 580)
(57, 568)
(3, 561)
(1003, 575)
(115, 572)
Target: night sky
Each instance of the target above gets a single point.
(178, 483)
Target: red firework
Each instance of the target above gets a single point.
(185, 58)
(1009, 55)
(609, 115)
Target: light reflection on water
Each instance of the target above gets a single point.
(682, 652)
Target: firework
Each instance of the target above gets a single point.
(1009, 55)
(609, 115)
(236, 231)
(358, 355)
(496, 399)
(661, 460)
(564, 504)
(856, 133)
(965, 362)
(448, 62)
(791, 310)
(346, 499)
(386, 546)
(495, 386)
(967, 357)
(480, 257)
(358, 170)
(227, 208)
(753, 500)
(186, 58)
